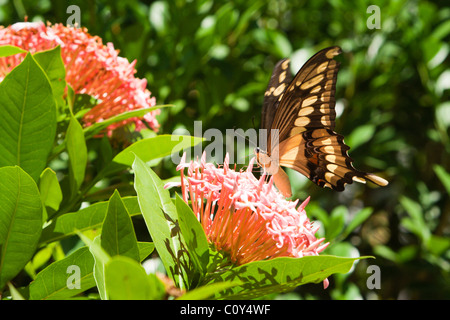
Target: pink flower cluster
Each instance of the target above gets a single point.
(91, 68)
(244, 216)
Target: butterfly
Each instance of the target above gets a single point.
(299, 115)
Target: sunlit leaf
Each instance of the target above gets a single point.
(8, 50)
(118, 237)
(88, 218)
(161, 218)
(20, 221)
(280, 275)
(77, 150)
(194, 236)
(28, 121)
(126, 279)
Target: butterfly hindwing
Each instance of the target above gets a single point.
(322, 156)
(327, 160)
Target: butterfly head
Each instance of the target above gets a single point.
(264, 160)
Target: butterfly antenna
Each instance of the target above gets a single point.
(253, 122)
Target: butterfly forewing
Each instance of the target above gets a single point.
(279, 81)
(309, 100)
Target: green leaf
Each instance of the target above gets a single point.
(386, 253)
(155, 147)
(118, 236)
(51, 62)
(126, 279)
(438, 245)
(20, 221)
(101, 258)
(50, 190)
(77, 150)
(280, 275)
(15, 294)
(145, 249)
(6, 51)
(95, 128)
(28, 121)
(443, 175)
(40, 258)
(88, 218)
(51, 283)
(208, 291)
(360, 135)
(336, 222)
(415, 223)
(161, 219)
(357, 220)
(194, 236)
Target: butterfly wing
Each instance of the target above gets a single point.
(281, 77)
(308, 101)
(304, 113)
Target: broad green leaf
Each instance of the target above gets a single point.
(280, 275)
(51, 283)
(208, 291)
(118, 236)
(20, 221)
(88, 218)
(51, 62)
(50, 190)
(126, 279)
(155, 147)
(28, 121)
(77, 150)
(194, 236)
(6, 51)
(161, 219)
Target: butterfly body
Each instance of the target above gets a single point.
(300, 115)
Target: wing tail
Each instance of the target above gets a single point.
(321, 155)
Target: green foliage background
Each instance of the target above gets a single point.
(213, 59)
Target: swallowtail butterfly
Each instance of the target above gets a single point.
(302, 112)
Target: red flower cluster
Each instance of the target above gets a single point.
(91, 68)
(244, 216)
